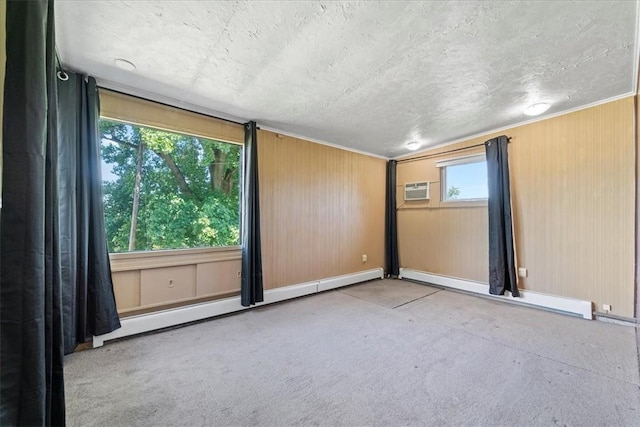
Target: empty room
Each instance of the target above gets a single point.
(319, 213)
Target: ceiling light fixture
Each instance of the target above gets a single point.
(536, 109)
(124, 64)
(413, 145)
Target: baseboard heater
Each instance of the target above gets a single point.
(535, 299)
(163, 319)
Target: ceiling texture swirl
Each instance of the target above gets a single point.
(368, 76)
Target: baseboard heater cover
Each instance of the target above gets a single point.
(349, 279)
(163, 319)
(536, 299)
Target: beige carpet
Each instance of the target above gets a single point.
(347, 357)
(389, 293)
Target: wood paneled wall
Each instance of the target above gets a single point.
(573, 189)
(321, 209)
(637, 210)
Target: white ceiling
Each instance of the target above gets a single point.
(365, 75)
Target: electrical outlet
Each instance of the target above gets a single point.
(522, 272)
(364, 258)
(606, 307)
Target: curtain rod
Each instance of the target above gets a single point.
(428, 156)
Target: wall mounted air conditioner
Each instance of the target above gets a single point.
(416, 191)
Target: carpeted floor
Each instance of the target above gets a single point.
(380, 353)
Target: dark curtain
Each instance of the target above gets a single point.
(251, 289)
(31, 351)
(88, 301)
(391, 223)
(55, 288)
(502, 268)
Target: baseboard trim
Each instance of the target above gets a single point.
(135, 325)
(531, 298)
(616, 319)
(349, 279)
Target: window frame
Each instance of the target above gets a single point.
(127, 109)
(459, 161)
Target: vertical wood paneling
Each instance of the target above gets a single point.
(573, 183)
(637, 209)
(637, 204)
(321, 209)
(447, 241)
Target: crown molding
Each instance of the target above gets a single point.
(321, 142)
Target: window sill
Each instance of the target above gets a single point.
(464, 203)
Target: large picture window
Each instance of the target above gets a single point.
(464, 178)
(166, 190)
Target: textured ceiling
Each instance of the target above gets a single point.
(366, 75)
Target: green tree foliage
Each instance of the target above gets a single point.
(188, 191)
(453, 192)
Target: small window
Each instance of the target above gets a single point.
(464, 178)
(167, 190)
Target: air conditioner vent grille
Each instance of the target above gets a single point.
(416, 191)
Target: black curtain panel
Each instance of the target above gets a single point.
(502, 268)
(251, 289)
(87, 292)
(391, 223)
(55, 288)
(31, 350)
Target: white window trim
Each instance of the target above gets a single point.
(456, 161)
(463, 160)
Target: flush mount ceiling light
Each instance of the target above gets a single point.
(536, 109)
(413, 145)
(124, 64)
